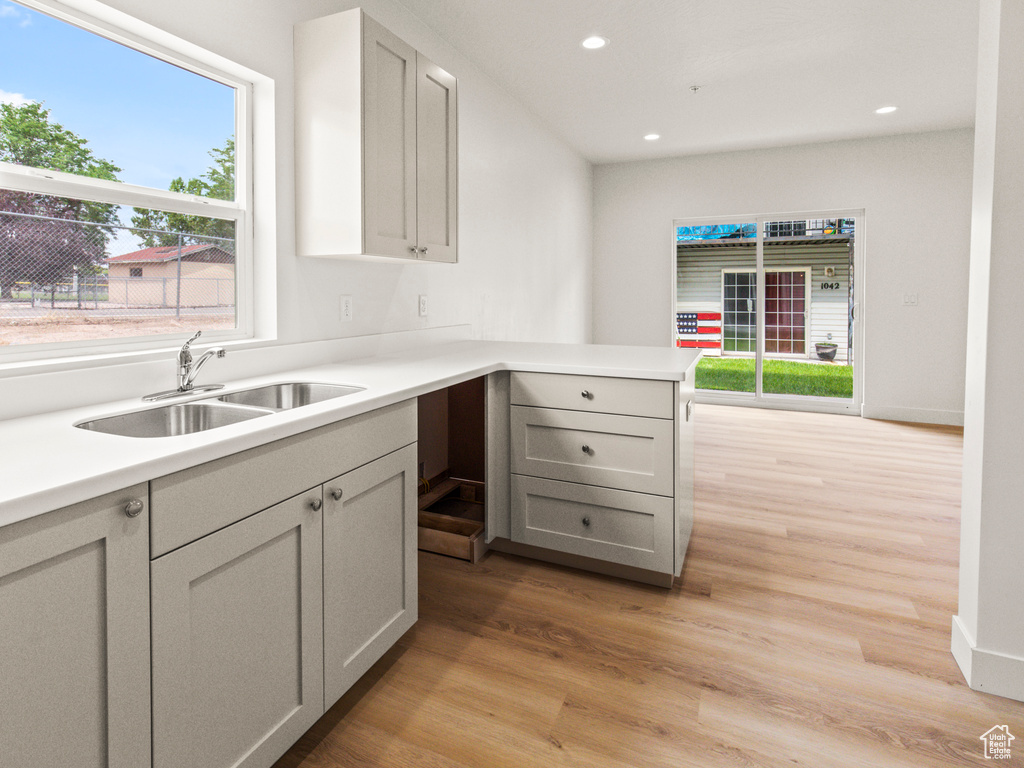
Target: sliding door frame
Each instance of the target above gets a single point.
(759, 399)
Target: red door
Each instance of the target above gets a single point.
(785, 313)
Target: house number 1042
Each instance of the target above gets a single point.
(829, 286)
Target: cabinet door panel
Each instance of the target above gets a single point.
(74, 650)
(436, 159)
(237, 656)
(370, 566)
(389, 149)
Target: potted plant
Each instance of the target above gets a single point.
(826, 350)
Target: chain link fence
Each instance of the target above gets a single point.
(63, 280)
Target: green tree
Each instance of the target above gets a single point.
(41, 250)
(217, 182)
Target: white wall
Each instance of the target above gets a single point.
(988, 630)
(916, 192)
(524, 198)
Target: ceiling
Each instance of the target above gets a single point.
(770, 73)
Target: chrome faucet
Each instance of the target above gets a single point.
(188, 370)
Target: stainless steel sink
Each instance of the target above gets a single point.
(212, 412)
(176, 419)
(283, 397)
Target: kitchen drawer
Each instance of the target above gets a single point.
(617, 526)
(625, 452)
(597, 394)
(197, 501)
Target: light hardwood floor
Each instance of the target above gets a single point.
(811, 627)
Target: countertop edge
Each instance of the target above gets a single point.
(470, 360)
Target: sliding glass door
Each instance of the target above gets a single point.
(716, 307)
(771, 302)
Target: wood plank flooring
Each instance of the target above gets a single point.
(811, 628)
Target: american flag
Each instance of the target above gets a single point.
(699, 329)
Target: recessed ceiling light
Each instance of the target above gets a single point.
(652, 136)
(594, 42)
(885, 110)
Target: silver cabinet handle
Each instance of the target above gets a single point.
(336, 494)
(134, 508)
(586, 449)
(316, 504)
(423, 250)
(414, 249)
(586, 522)
(587, 394)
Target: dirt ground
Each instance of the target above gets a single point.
(57, 329)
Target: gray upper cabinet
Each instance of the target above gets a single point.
(74, 645)
(375, 144)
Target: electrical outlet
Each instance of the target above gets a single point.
(909, 299)
(346, 309)
(423, 305)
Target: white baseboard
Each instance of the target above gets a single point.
(987, 671)
(915, 415)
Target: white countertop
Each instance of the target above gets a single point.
(48, 463)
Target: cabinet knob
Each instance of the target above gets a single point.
(134, 508)
(414, 249)
(336, 494)
(316, 504)
(423, 250)
(586, 449)
(586, 393)
(586, 522)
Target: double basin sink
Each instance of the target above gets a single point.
(218, 411)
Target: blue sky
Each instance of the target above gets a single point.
(154, 120)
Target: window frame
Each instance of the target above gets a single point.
(122, 29)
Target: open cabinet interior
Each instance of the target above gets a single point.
(452, 468)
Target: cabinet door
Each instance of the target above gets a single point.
(370, 566)
(389, 143)
(237, 651)
(74, 645)
(436, 162)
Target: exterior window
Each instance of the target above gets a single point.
(124, 210)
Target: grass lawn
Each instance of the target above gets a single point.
(781, 377)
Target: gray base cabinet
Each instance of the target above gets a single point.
(237, 630)
(370, 566)
(602, 468)
(257, 613)
(74, 636)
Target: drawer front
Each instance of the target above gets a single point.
(597, 394)
(197, 501)
(617, 526)
(625, 452)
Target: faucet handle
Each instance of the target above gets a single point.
(184, 355)
(188, 343)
